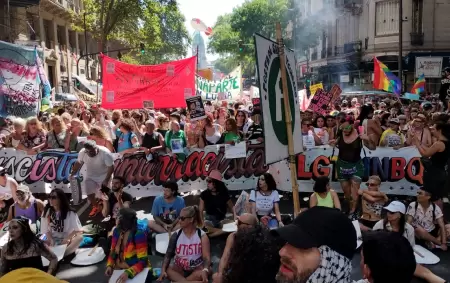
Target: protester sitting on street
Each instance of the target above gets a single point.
(56, 137)
(244, 222)
(372, 203)
(232, 134)
(24, 249)
(99, 169)
(166, 210)
(423, 214)
(34, 137)
(128, 247)
(100, 137)
(323, 194)
(386, 257)
(152, 141)
(115, 200)
(320, 245)
(265, 200)
(395, 221)
(214, 202)
(60, 223)
(26, 205)
(190, 249)
(392, 137)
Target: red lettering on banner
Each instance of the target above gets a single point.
(397, 171)
(301, 170)
(414, 171)
(317, 166)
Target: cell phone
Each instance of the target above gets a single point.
(104, 189)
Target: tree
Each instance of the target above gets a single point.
(156, 23)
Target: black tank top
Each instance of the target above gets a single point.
(440, 159)
(350, 152)
(28, 262)
(150, 141)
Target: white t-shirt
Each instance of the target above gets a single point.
(60, 229)
(5, 191)
(424, 219)
(188, 252)
(408, 233)
(96, 167)
(264, 204)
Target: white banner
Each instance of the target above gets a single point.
(272, 104)
(229, 88)
(400, 170)
(431, 67)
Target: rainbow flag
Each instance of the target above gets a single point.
(419, 86)
(384, 79)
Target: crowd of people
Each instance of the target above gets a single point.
(317, 246)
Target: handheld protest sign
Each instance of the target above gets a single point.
(90, 256)
(162, 242)
(196, 108)
(230, 227)
(148, 104)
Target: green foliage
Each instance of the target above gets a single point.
(158, 24)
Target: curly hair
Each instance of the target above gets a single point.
(127, 124)
(270, 181)
(254, 257)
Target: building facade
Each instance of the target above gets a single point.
(48, 24)
(356, 31)
(198, 45)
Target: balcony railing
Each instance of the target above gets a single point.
(416, 38)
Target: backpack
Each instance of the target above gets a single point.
(199, 232)
(116, 141)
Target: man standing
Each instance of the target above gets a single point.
(444, 91)
(99, 169)
(115, 200)
(166, 209)
(320, 245)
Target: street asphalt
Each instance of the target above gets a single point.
(95, 273)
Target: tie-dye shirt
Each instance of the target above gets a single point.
(135, 254)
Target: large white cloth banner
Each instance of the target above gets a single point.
(400, 170)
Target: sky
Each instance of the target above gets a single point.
(207, 11)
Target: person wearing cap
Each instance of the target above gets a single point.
(422, 215)
(26, 205)
(419, 131)
(392, 137)
(25, 249)
(320, 244)
(395, 221)
(386, 257)
(214, 203)
(152, 141)
(129, 250)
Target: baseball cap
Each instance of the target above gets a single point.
(321, 226)
(396, 206)
(394, 120)
(29, 275)
(23, 188)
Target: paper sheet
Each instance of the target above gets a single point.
(59, 252)
(140, 278)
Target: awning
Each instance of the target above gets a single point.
(91, 86)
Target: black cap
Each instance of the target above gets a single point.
(256, 111)
(321, 226)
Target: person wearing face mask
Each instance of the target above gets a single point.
(319, 248)
(26, 205)
(128, 248)
(115, 200)
(99, 169)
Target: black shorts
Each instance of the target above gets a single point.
(435, 232)
(367, 223)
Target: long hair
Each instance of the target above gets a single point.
(401, 224)
(445, 129)
(220, 186)
(33, 120)
(317, 118)
(254, 257)
(366, 110)
(64, 205)
(270, 181)
(28, 237)
(233, 125)
(194, 212)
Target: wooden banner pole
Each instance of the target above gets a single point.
(288, 117)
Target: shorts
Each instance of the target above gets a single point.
(435, 232)
(347, 171)
(214, 221)
(367, 223)
(92, 187)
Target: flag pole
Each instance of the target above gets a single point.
(288, 118)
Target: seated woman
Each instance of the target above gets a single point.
(395, 221)
(25, 249)
(323, 194)
(128, 247)
(214, 202)
(264, 201)
(372, 203)
(190, 249)
(60, 223)
(26, 205)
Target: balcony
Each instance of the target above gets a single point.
(416, 38)
(347, 3)
(314, 56)
(60, 8)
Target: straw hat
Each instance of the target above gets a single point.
(216, 175)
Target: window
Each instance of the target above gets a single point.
(386, 18)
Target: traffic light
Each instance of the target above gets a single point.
(142, 47)
(241, 45)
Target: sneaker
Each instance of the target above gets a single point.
(94, 211)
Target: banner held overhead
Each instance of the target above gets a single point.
(127, 86)
(268, 64)
(229, 88)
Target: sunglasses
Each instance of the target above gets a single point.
(371, 184)
(182, 218)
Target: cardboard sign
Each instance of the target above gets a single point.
(314, 88)
(319, 102)
(196, 108)
(335, 91)
(148, 104)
